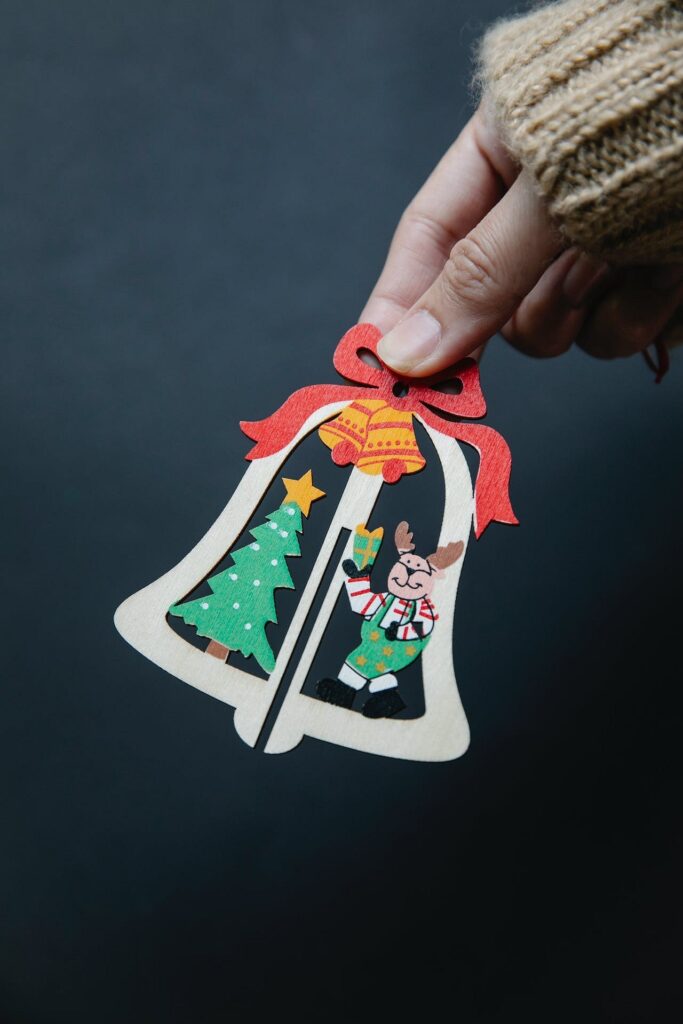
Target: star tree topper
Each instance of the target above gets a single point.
(302, 491)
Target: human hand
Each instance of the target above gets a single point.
(475, 252)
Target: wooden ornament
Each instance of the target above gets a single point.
(405, 619)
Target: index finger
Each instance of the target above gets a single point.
(466, 183)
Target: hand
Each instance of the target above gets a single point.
(352, 570)
(475, 252)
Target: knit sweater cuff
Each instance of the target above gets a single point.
(588, 97)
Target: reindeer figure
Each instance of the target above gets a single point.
(397, 627)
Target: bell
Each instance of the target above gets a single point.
(378, 440)
(346, 434)
(390, 446)
(374, 437)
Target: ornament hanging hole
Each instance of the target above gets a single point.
(400, 389)
(369, 358)
(452, 386)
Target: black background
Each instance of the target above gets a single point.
(196, 200)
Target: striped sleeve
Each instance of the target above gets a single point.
(425, 614)
(361, 598)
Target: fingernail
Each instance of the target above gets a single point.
(582, 278)
(411, 341)
(666, 278)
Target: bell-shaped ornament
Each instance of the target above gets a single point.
(369, 426)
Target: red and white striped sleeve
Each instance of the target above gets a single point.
(361, 597)
(425, 614)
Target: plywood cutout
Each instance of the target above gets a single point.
(405, 619)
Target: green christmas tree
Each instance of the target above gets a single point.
(235, 615)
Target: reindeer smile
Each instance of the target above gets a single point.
(406, 582)
(411, 586)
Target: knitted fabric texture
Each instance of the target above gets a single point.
(588, 97)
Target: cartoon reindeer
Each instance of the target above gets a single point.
(397, 627)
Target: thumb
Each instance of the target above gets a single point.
(486, 276)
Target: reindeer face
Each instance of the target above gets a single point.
(412, 576)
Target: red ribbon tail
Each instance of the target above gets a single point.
(276, 431)
(491, 492)
(660, 364)
(491, 489)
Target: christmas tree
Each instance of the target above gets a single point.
(235, 615)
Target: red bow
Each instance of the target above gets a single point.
(492, 500)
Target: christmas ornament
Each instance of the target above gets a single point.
(369, 427)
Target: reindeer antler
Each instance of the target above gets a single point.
(445, 556)
(403, 538)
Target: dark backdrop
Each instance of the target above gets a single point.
(196, 199)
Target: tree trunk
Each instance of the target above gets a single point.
(218, 650)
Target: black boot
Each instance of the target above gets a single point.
(333, 691)
(383, 704)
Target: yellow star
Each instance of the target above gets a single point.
(374, 635)
(361, 659)
(388, 651)
(302, 491)
(411, 650)
(380, 666)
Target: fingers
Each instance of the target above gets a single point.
(643, 305)
(610, 313)
(485, 278)
(548, 320)
(464, 186)
(469, 259)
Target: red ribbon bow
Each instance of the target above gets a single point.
(492, 500)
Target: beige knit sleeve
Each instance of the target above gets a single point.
(588, 96)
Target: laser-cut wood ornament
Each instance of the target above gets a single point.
(369, 427)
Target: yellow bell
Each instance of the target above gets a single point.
(376, 438)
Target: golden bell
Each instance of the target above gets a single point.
(376, 438)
